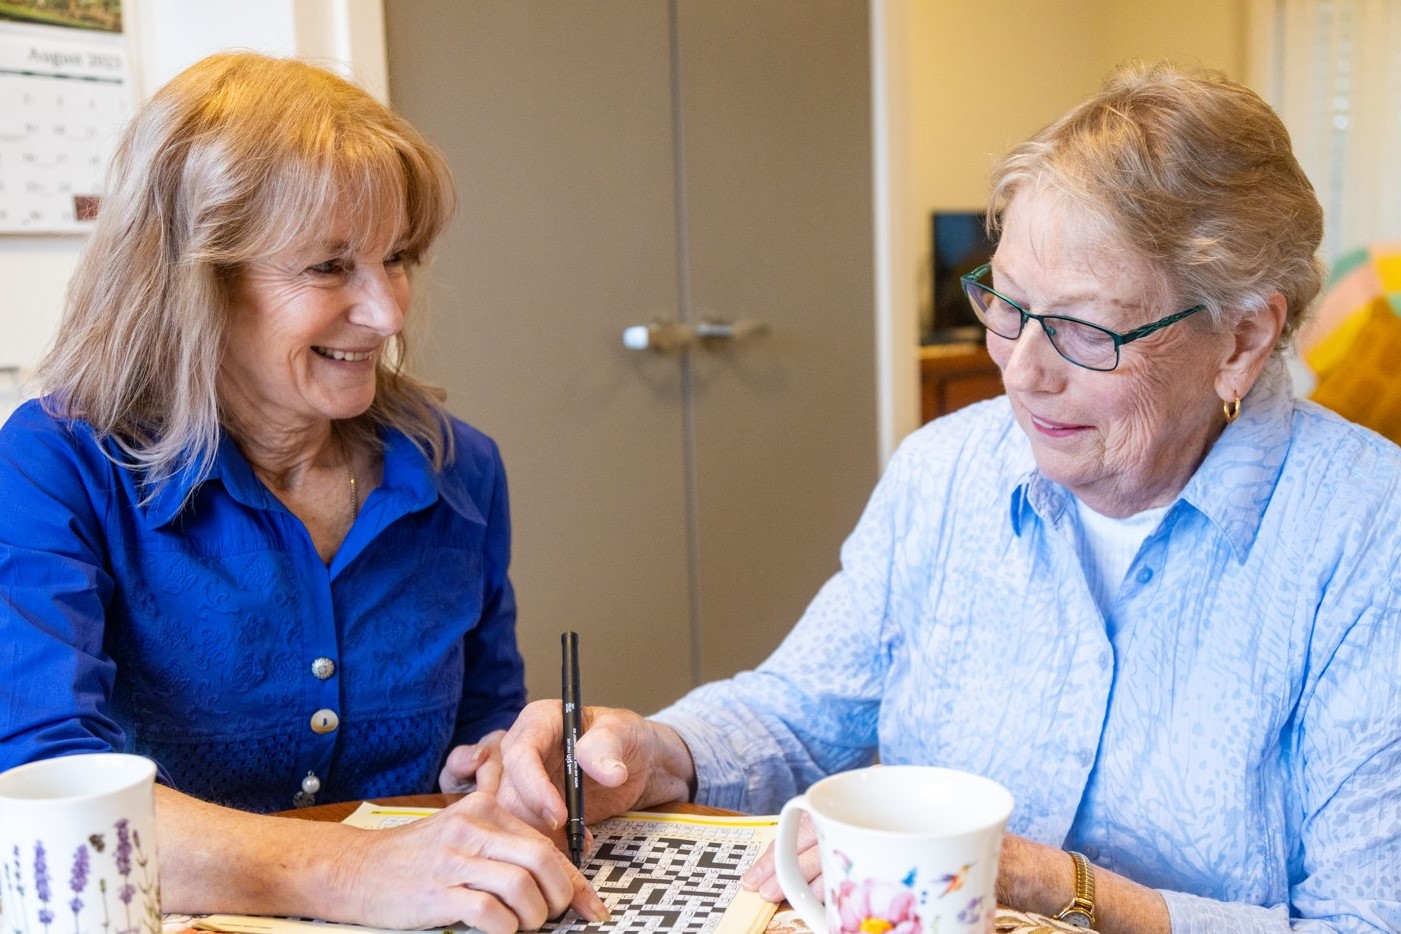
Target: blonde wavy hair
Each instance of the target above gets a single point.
(1194, 174)
(236, 158)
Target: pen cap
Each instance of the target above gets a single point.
(569, 666)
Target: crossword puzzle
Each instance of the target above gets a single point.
(655, 881)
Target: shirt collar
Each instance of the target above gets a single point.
(407, 478)
(1234, 484)
(1231, 488)
(229, 468)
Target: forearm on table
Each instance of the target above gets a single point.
(216, 859)
(1041, 879)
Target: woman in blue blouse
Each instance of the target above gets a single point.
(1147, 590)
(236, 537)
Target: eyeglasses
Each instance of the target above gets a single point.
(1082, 343)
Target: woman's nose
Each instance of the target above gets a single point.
(1032, 361)
(380, 302)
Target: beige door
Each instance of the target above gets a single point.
(633, 161)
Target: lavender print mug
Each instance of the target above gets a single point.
(78, 846)
(906, 849)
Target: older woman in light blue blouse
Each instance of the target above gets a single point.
(1147, 590)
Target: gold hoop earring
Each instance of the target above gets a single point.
(1231, 409)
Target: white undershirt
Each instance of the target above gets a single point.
(1108, 546)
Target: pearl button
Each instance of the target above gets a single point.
(311, 784)
(323, 668)
(325, 721)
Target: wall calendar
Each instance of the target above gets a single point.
(64, 94)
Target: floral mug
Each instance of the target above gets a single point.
(77, 846)
(905, 849)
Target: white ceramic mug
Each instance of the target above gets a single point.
(906, 849)
(78, 846)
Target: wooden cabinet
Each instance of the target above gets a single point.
(954, 375)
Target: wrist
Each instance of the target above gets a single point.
(1079, 911)
(673, 772)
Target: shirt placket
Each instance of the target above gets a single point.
(321, 679)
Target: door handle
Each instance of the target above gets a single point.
(730, 330)
(659, 336)
(673, 336)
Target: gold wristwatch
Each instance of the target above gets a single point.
(1080, 912)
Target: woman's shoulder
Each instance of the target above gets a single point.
(1343, 482)
(45, 457)
(472, 448)
(472, 471)
(32, 416)
(34, 429)
(1326, 445)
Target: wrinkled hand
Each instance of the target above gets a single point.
(628, 762)
(471, 862)
(474, 767)
(763, 877)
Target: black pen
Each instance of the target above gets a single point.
(573, 777)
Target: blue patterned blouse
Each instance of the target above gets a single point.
(1229, 733)
(213, 639)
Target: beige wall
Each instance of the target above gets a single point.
(986, 75)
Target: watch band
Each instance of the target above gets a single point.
(1081, 910)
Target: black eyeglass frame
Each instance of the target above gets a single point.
(970, 280)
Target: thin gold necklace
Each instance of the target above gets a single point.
(354, 496)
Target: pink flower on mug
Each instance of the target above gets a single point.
(875, 907)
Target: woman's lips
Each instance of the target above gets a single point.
(1054, 429)
(344, 356)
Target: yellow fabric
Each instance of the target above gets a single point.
(1331, 351)
(1389, 272)
(1358, 278)
(1366, 386)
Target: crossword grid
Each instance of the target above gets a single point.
(654, 881)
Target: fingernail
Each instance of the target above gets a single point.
(615, 764)
(746, 881)
(771, 892)
(600, 913)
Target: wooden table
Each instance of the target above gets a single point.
(785, 922)
(339, 812)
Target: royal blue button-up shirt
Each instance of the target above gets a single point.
(196, 628)
(1229, 732)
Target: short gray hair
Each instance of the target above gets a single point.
(1194, 174)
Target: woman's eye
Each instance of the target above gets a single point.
(397, 258)
(331, 267)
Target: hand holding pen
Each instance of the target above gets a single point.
(573, 775)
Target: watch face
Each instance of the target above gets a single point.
(1075, 918)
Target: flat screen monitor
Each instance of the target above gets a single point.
(960, 245)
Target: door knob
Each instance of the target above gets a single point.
(671, 336)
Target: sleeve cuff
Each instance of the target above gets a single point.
(719, 783)
(1192, 914)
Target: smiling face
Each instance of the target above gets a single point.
(307, 328)
(1125, 440)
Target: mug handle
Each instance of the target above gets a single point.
(790, 877)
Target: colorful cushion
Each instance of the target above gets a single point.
(1356, 279)
(1365, 384)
